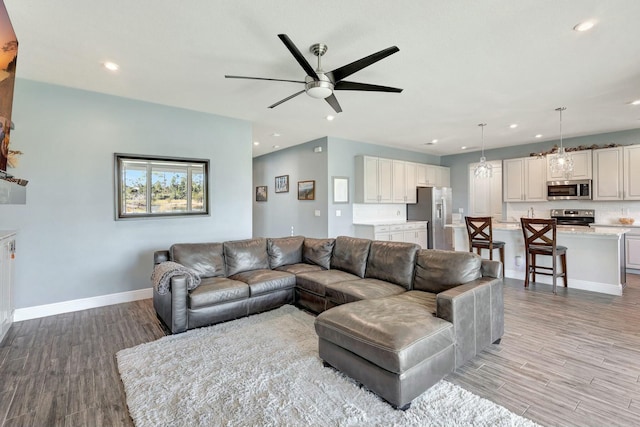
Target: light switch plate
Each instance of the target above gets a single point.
(338, 212)
(317, 212)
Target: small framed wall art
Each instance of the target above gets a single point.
(340, 189)
(282, 184)
(306, 190)
(261, 193)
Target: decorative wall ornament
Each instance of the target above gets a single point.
(554, 150)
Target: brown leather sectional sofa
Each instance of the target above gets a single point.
(392, 316)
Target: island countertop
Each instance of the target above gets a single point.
(595, 255)
(600, 230)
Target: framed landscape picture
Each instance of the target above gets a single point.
(261, 193)
(306, 190)
(282, 184)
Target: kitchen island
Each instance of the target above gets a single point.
(595, 256)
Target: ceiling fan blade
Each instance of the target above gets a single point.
(262, 78)
(286, 99)
(344, 85)
(346, 70)
(333, 101)
(298, 55)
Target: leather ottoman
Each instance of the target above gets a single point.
(393, 346)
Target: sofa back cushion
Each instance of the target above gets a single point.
(245, 255)
(206, 259)
(392, 262)
(350, 255)
(317, 251)
(437, 271)
(284, 251)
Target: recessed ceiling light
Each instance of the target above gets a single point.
(434, 141)
(513, 126)
(464, 147)
(256, 143)
(330, 117)
(636, 102)
(538, 135)
(275, 134)
(276, 146)
(111, 66)
(584, 26)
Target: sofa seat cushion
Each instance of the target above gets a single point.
(299, 268)
(217, 290)
(316, 281)
(356, 290)
(425, 299)
(391, 332)
(265, 281)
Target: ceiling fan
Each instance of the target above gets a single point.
(320, 84)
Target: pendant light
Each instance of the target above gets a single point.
(483, 169)
(562, 162)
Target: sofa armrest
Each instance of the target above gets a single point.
(160, 256)
(172, 306)
(491, 268)
(476, 310)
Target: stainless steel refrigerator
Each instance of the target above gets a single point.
(434, 205)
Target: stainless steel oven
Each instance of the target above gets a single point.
(569, 190)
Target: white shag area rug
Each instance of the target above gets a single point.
(264, 370)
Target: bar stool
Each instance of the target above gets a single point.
(540, 239)
(481, 238)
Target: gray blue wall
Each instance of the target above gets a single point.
(276, 216)
(69, 245)
(281, 211)
(459, 163)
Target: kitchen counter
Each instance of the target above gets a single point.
(595, 255)
(397, 231)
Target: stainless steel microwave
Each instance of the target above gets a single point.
(579, 189)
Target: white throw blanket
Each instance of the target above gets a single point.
(163, 272)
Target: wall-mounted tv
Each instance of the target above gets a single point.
(8, 58)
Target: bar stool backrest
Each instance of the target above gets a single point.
(479, 228)
(539, 232)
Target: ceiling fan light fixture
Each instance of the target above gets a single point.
(319, 89)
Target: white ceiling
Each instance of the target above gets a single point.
(460, 63)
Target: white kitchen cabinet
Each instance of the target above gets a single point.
(416, 233)
(404, 182)
(432, 176)
(616, 173)
(582, 166)
(525, 179)
(485, 194)
(631, 177)
(7, 249)
(632, 250)
(373, 180)
(412, 232)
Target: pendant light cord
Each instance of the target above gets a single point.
(561, 109)
(482, 125)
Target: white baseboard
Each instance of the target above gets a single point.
(38, 311)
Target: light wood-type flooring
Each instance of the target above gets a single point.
(570, 359)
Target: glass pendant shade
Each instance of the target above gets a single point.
(562, 162)
(483, 169)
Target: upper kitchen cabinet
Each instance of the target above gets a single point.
(404, 182)
(582, 166)
(616, 173)
(485, 194)
(373, 180)
(433, 176)
(525, 179)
